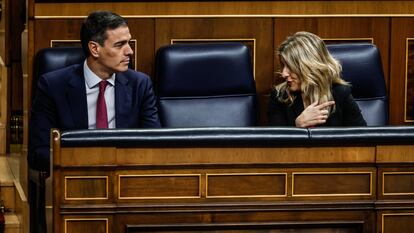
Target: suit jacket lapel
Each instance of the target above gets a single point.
(76, 97)
(123, 101)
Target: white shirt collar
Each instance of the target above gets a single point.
(92, 79)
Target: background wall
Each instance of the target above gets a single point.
(262, 25)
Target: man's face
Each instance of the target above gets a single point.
(114, 55)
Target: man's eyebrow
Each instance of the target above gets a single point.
(122, 42)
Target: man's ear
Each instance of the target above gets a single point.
(93, 48)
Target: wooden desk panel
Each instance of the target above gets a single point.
(303, 189)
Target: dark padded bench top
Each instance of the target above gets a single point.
(186, 137)
(238, 137)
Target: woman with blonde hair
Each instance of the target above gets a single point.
(313, 93)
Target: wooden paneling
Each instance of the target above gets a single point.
(3, 106)
(397, 222)
(401, 29)
(91, 186)
(143, 31)
(86, 224)
(349, 227)
(214, 8)
(398, 183)
(233, 185)
(392, 154)
(95, 156)
(158, 186)
(324, 189)
(182, 156)
(332, 184)
(86, 187)
(270, 221)
(395, 183)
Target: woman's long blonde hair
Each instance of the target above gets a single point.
(306, 55)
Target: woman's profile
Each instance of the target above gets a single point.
(313, 92)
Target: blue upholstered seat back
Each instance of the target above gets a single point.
(205, 85)
(50, 59)
(362, 67)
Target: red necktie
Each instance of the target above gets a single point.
(101, 114)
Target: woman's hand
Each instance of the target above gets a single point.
(314, 114)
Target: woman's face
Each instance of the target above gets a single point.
(292, 80)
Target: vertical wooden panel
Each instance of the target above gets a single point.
(397, 222)
(143, 31)
(3, 106)
(401, 30)
(227, 28)
(86, 225)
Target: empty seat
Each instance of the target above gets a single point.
(205, 85)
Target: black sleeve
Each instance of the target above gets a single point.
(352, 113)
(43, 118)
(276, 111)
(149, 112)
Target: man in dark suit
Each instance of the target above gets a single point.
(99, 93)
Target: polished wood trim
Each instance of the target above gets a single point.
(394, 173)
(406, 79)
(55, 146)
(331, 173)
(395, 153)
(66, 178)
(349, 39)
(86, 219)
(3, 106)
(96, 156)
(392, 214)
(120, 176)
(230, 8)
(246, 174)
(285, 155)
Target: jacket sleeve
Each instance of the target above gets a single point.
(42, 120)
(352, 113)
(149, 111)
(276, 111)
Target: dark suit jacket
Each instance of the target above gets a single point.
(60, 102)
(347, 112)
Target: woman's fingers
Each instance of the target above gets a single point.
(324, 105)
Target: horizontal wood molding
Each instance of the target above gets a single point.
(177, 156)
(228, 8)
(394, 153)
(3, 106)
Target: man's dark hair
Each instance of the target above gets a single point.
(95, 26)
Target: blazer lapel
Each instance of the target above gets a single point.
(123, 101)
(76, 97)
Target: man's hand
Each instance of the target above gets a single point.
(314, 114)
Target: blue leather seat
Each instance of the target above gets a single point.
(362, 67)
(205, 85)
(50, 59)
